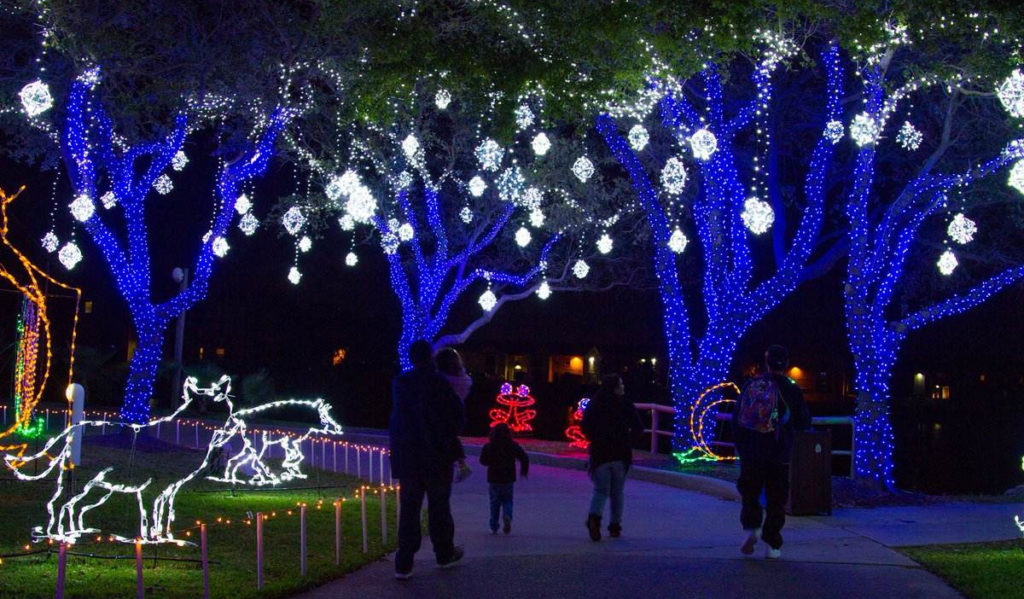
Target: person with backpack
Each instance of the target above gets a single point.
(500, 455)
(610, 422)
(769, 410)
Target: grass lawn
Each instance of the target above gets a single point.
(232, 546)
(978, 570)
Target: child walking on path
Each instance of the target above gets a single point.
(500, 455)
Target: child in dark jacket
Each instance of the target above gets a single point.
(500, 455)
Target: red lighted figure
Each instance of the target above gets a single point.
(573, 433)
(510, 411)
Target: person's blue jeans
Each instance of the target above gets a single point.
(609, 482)
(501, 499)
(441, 526)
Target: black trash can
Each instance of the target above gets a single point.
(810, 474)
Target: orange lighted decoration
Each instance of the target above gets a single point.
(29, 283)
(573, 433)
(511, 410)
(701, 408)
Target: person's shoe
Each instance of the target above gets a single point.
(494, 531)
(773, 553)
(403, 575)
(747, 548)
(594, 526)
(507, 526)
(454, 559)
(462, 473)
(615, 530)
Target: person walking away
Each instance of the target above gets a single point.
(610, 423)
(769, 410)
(451, 367)
(500, 455)
(426, 418)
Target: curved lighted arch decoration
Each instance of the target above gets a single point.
(698, 416)
(31, 288)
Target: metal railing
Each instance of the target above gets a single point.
(657, 409)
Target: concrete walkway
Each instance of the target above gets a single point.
(675, 543)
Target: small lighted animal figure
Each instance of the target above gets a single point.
(573, 433)
(513, 414)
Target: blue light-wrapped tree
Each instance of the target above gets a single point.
(729, 211)
(102, 168)
(889, 223)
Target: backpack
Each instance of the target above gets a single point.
(758, 405)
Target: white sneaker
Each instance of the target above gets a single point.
(773, 553)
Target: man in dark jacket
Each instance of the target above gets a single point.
(764, 443)
(610, 422)
(425, 421)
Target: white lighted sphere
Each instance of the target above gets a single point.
(293, 220)
(1011, 94)
(466, 215)
(532, 198)
(757, 216)
(703, 143)
(305, 244)
(947, 263)
(487, 300)
(109, 200)
(510, 184)
(638, 137)
(410, 145)
(35, 98)
(163, 185)
(294, 275)
(673, 176)
(243, 204)
(1016, 179)
(523, 237)
(220, 247)
(581, 269)
(961, 229)
(583, 168)
(489, 154)
(405, 232)
(524, 116)
(50, 242)
(677, 241)
(179, 161)
(477, 186)
(361, 205)
(864, 129)
(442, 98)
(544, 290)
(834, 131)
(536, 218)
(82, 208)
(908, 137)
(248, 224)
(69, 255)
(351, 259)
(540, 144)
(604, 244)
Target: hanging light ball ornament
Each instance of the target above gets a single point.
(489, 154)
(305, 244)
(947, 263)
(220, 247)
(961, 229)
(757, 216)
(605, 244)
(163, 185)
(466, 215)
(351, 259)
(243, 204)
(179, 161)
(442, 99)
(909, 137)
(293, 220)
(69, 255)
(361, 205)
(523, 237)
(346, 222)
(82, 208)
(544, 290)
(677, 241)
(510, 184)
(50, 242)
(35, 99)
(541, 144)
(532, 198)
(638, 137)
(410, 145)
(248, 224)
(834, 131)
(524, 116)
(583, 168)
(581, 269)
(536, 218)
(406, 232)
(1016, 179)
(864, 130)
(389, 242)
(673, 176)
(703, 143)
(477, 186)
(1011, 94)
(294, 275)
(109, 200)
(487, 300)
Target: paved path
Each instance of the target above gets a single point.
(676, 543)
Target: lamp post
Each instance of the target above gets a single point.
(180, 276)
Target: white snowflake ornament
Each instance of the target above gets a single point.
(583, 168)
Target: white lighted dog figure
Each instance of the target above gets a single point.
(66, 522)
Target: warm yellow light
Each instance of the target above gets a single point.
(576, 365)
(795, 373)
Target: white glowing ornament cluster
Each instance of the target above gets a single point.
(757, 216)
(487, 300)
(638, 137)
(909, 137)
(536, 218)
(581, 269)
(489, 154)
(243, 204)
(1016, 179)
(477, 186)
(532, 198)
(389, 242)
(109, 200)
(220, 247)
(163, 185)
(961, 229)
(864, 129)
(410, 145)
(69, 255)
(179, 161)
(544, 290)
(510, 184)
(442, 98)
(466, 215)
(673, 176)
(35, 98)
(834, 131)
(294, 275)
(541, 144)
(523, 237)
(351, 259)
(82, 208)
(524, 116)
(305, 244)
(605, 243)
(1011, 94)
(703, 143)
(406, 232)
(361, 205)
(248, 224)
(583, 168)
(50, 242)
(947, 262)
(293, 220)
(677, 241)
